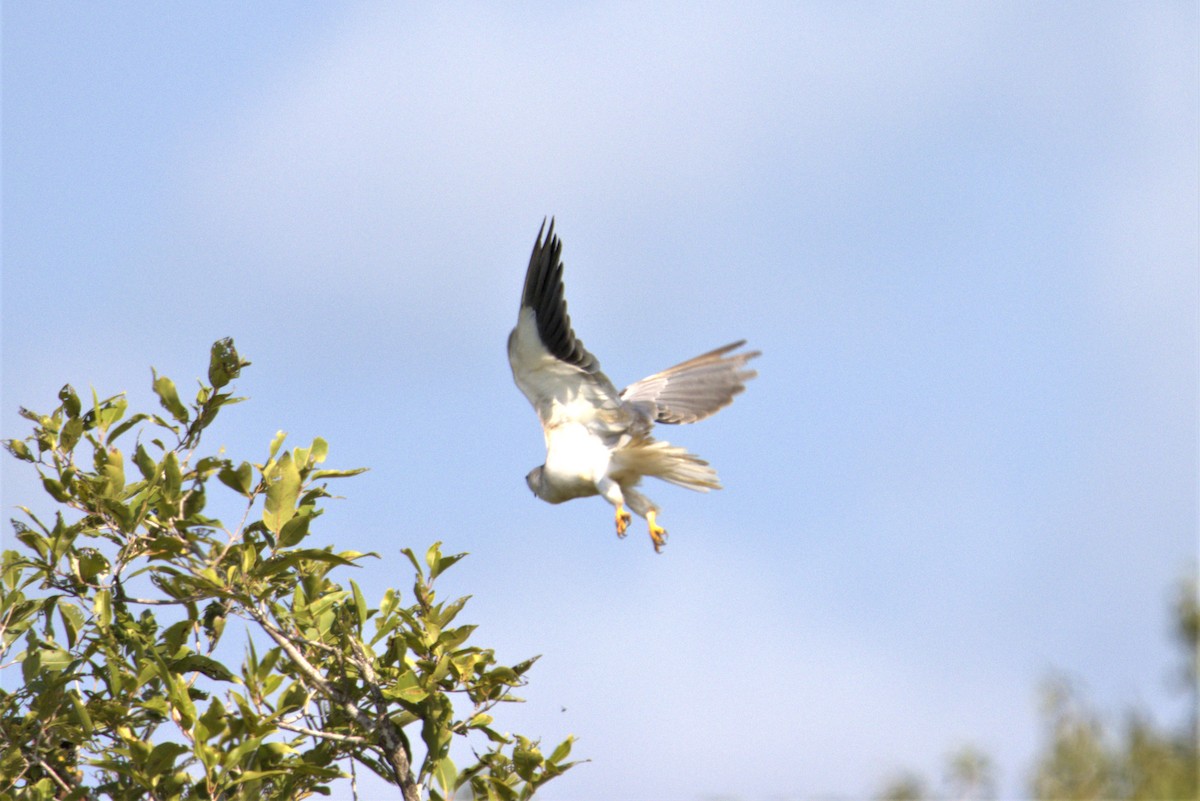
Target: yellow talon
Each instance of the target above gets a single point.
(623, 519)
(658, 534)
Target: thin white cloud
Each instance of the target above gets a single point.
(408, 121)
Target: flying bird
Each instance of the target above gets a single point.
(598, 440)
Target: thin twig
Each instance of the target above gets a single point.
(325, 735)
(57, 779)
(159, 602)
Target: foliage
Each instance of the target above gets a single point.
(968, 776)
(1083, 759)
(113, 610)
(903, 787)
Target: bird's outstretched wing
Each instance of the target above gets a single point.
(544, 294)
(692, 390)
(550, 365)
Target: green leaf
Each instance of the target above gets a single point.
(82, 717)
(451, 610)
(444, 563)
(72, 430)
(172, 475)
(255, 775)
(125, 426)
(212, 721)
(294, 531)
(114, 474)
(168, 396)
(407, 689)
(433, 557)
(18, 449)
(526, 760)
(102, 608)
(446, 775)
(214, 621)
(412, 558)
(92, 563)
(181, 700)
(495, 736)
(202, 664)
(319, 474)
(452, 638)
(239, 480)
(73, 622)
(70, 401)
(207, 465)
(55, 488)
(320, 605)
(234, 758)
(224, 363)
(504, 675)
(279, 749)
(563, 750)
(162, 758)
(294, 697)
(193, 505)
(110, 411)
(31, 664)
(300, 457)
(31, 538)
(54, 658)
(276, 443)
(522, 667)
(390, 600)
(360, 603)
(146, 465)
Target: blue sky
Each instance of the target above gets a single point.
(963, 235)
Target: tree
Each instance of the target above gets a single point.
(968, 775)
(114, 610)
(1083, 758)
(903, 787)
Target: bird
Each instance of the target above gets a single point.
(598, 440)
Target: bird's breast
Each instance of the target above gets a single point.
(575, 460)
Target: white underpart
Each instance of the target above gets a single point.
(580, 413)
(577, 465)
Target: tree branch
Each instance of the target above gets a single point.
(57, 779)
(324, 735)
(391, 739)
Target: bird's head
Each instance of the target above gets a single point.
(535, 479)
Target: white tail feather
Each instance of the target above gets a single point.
(650, 457)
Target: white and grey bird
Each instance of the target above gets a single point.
(598, 439)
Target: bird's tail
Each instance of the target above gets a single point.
(650, 457)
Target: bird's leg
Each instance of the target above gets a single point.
(611, 492)
(658, 534)
(623, 519)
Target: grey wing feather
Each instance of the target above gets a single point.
(695, 389)
(544, 294)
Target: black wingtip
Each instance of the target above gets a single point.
(542, 231)
(543, 292)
